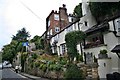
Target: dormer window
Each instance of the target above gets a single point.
(57, 29)
(56, 17)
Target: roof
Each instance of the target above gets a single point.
(116, 49)
(102, 26)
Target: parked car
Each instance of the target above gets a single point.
(6, 64)
(1, 66)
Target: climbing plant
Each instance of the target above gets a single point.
(72, 39)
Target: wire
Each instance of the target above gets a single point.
(31, 10)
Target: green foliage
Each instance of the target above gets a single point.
(48, 48)
(15, 46)
(42, 44)
(31, 64)
(73, 73)
(44, 67)
(21, 35)
(104, 51)
(57, 67)
(34, 56)
(101, 10)
(78, 10)
(80, 58)
(23, 59)
(62, 61)
(37, 64)
(38, 42)
(9, 51)
(54, 67)
(72, 39)
(41, 65)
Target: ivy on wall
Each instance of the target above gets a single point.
(72, 39)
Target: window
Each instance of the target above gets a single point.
(94, 41)
(57, 29)
(118, 25)
(70, 19)
(63, 48)
(50, 31)
(56, 16)
(85, 23)
(48, 23)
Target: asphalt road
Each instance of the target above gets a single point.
(8, 74)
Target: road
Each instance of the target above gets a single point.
(8, 74)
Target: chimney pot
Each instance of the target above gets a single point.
(55, 11)
(64, 5)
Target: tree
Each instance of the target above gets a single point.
(38, 42)
(78, 10)
(21, 35)
(102, 10)
(72, 39)
(15, 46)
(9, 51)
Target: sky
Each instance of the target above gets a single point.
(31, 14)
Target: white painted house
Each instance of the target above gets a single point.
(103, 36)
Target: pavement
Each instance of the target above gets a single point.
(31, 77)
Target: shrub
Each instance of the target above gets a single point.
(44, 67)
(31, 65)
(73, 73)
(41, 65)
(34, 56)
(57, 67)
(37, 64)
(104, 51)
(63, 61)
(50, 67)
(80, 58)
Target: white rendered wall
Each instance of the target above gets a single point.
(111, 42)
(104, 67)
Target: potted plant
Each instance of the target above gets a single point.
(103, 54)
